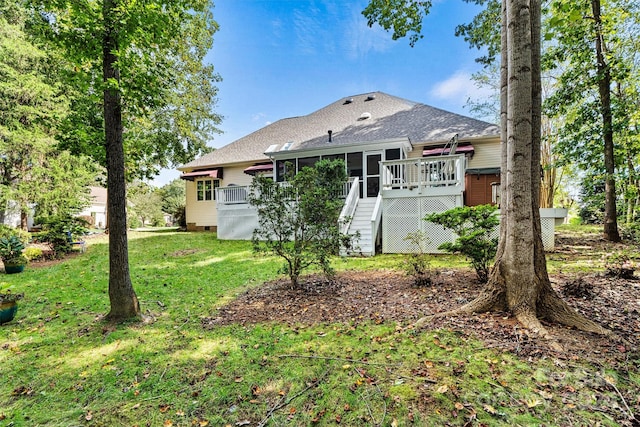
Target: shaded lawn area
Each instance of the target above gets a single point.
(204, 358)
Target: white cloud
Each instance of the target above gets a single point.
(359, 39)
(459, 88)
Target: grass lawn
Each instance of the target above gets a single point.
(61, 365)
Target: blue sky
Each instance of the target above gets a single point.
(284, 58)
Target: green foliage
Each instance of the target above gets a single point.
(6, 231)
(145, 204)
(591, 202)
(11, 251)
(33, 171)
(60, 231)
(33, 253)
(173, 196)
(298, 220)
(483, 32)
(631, 233)
(474, 226)
(417, 264)
(404, 17)
(168, 90)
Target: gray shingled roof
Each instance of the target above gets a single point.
(389, 117)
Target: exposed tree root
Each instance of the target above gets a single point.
(549, 307)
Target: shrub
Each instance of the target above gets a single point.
(474, 226)
(6, 231)
(60, 231)
(33, 253)
(11, 251)
(416, 264)
(298, 220)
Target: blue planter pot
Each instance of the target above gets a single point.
(13, 269)
(8, 311)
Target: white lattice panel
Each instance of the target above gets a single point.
(237, 222)
(402, 216)
(548, 229)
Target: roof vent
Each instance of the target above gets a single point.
(348, 101)
(329, 132)
(370, 98)
(364, 116)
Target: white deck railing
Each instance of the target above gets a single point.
(423, 173)
(238, 194)
(350, 204)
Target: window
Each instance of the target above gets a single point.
(206, 189)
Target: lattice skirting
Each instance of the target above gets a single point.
(401, 216)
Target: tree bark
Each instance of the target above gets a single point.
(122, 297)
(610, 231)
(519, 281)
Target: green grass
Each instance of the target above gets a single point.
(61, 365)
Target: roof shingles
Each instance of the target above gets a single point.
(388, 117)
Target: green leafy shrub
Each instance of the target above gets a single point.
(6, 231)
(298, 220)
(474, 226)
(60, 231)
(11, 251)
(33, 253)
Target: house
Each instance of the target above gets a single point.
(404, 159)
(98, 207)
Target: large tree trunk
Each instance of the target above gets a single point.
(124, 303)
(604, 89)
(519, 281)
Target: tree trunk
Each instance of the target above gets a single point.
(124, 303)
(604, 89)
(519, 281)
(24, 219)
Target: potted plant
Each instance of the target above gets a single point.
(8, 306)
(11, 248)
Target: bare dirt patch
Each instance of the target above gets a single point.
(389, 296)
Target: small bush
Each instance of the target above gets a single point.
(475, 226)
(60, 231)
(33, 253)
(417, 264)
(7, 232)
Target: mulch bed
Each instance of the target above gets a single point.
(389, 296)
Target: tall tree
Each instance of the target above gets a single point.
(150, 59)
(33, 172)
(591, 37)
(519, 281)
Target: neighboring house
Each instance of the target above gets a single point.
(98, 207)
(11, 216)
(404, 160)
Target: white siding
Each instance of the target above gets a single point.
(204, 213)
